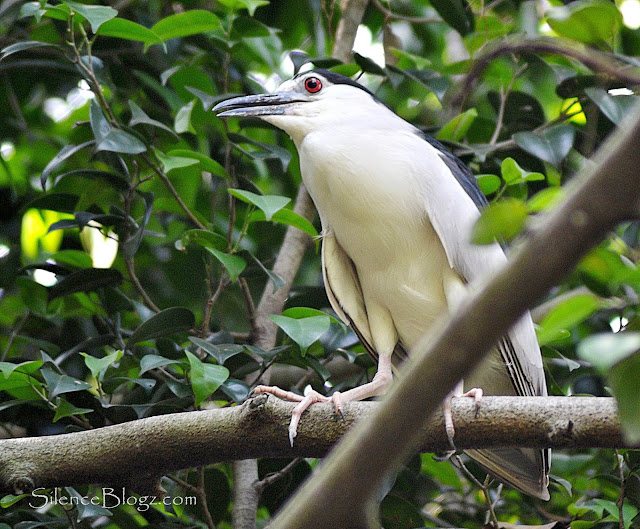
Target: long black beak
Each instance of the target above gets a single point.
(258, 105)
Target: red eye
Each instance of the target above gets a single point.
(313, 85)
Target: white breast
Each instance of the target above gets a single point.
(367, 196)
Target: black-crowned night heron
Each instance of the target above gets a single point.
(397, 210)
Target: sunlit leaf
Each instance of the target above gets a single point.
(500, 220)
(185, 24)
(205, 378)
(303, 331)
(269, 204)
(567, 314)
(457, 128)
(96, 15)
(250, 5)
(589, 21)
(232, 263)
(127, 29)
(207, 164)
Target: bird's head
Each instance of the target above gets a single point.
(307, 102)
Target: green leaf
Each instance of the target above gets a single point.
(500, 220)
(489, 183)
(456, 13)
(9, 500)
(288, 217)
(34, 295)
(604, 350)
(205, 238)
(138, 116)
(58, 384)
(85, 280)
(109, 138)
(149, 362)
(269, 204)
(588, 21)
(66, 409)
(623, 378)
(66, 152)
(185, 24)
(267, 151)
(235, 389)
(24, 45)
(275, 278)
(182, 121)
(513, 174)
(546, 199)
(565, 315)
(615, 108)
(250, 5)
(205, 378)
(552, 145)
(131, 245)
(168, 321)
(232, 263)
(75, 258)
(206, 163)
(95, 15)
(303, 331)
(97, 366)
(368, 65)
(115, 180)
(126, 29)
(307, 312)
(629, 512)
(457, 128)
(31, 366)
(169, 163)
(221, 352)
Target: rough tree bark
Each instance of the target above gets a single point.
(259, 428)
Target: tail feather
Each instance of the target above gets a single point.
(524, 469)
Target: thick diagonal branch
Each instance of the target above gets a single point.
(343, 493)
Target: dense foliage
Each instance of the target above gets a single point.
(138, 229)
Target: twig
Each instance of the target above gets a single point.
(154, 167)
(13, 335)
(248, 301)
(595, 60)
(136, 283)
(413, 20)
(623, 486)
(504, 95)
(275, 476)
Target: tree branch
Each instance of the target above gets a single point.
(597, 61)
(158, 445)
(343, 493)
(352, 13)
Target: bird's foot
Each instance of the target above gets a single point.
(311, 396)
(476, 394)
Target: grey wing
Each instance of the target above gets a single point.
(475, 263)
(345, 294)
(524, 469)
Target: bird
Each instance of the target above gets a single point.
(397, 211)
